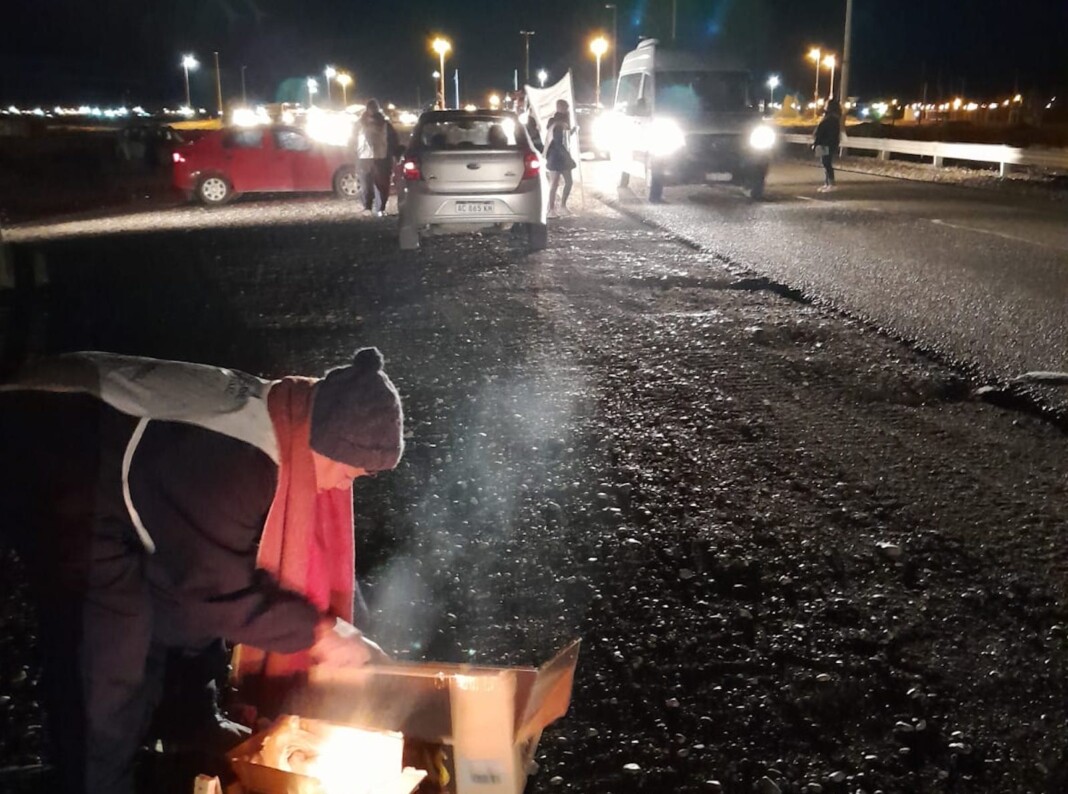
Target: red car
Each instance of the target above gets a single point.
(221, 164)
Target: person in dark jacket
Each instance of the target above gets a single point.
(826, 140)
(376, 147)
(146, 499)
(558, 157)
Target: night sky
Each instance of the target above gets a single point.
(77, 51)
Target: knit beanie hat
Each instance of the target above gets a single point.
(356, 415)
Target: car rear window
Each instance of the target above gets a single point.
(243, 139)
(291, 140)
(470, 133)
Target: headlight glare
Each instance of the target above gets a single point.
(666, 137)
(762, 138)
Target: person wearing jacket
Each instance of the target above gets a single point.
(376, 146)
(826, 140)
(558, 157)
(162, 506)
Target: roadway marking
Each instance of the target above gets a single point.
(992, 233)
(947, 224)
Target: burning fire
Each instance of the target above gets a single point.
(342, 760)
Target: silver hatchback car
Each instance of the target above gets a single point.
(471, 170)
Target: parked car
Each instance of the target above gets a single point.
(470, 170)
(591, 140)
(223, 163)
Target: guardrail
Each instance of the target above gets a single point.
(939, 152)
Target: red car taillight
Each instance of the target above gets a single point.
(411, 170)
(178, 157)
(531, 165)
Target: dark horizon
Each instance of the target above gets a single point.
(68, 53)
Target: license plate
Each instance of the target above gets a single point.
(474, 207)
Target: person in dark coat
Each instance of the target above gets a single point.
(145, 499)
(376, 147)
(558, 157)
(826, 140)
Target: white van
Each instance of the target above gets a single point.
(680, 117)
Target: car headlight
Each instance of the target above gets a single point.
(666, 137)
(762, 138)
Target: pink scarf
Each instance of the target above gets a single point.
(308, 543)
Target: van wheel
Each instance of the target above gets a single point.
(754, 183)
(656, 187)
(409, 239)
(537, 236)
(624, 179)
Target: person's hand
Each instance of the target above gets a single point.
(340, 644)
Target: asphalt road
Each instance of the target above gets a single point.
(976, 276)
(799, 557)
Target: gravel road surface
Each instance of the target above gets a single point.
(800, 557)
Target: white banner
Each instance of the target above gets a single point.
(541, 103)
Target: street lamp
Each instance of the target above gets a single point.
(441, 46)
(615, 35)
(542, 77)
(815, 54)
(599, 46)
(526, 34)
(188, 62)
(773, 83)
(830, 62)
(344, 79)
(330, 73)
(313, 89)
(494, 101)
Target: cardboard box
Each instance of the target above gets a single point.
(492, 717)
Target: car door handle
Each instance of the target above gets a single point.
(473, 166)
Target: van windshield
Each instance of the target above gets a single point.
(695, 93)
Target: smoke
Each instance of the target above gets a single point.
(481, 460)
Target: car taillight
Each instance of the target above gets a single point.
(178, 157)
(411, 170)
(531, 165)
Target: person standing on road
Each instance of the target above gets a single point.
(376, 146)
(826, 140)
(161, 507)
(558, 157)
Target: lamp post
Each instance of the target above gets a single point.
(218, 86)
(615, 35)
(313, 89)
(847, 48)
(816, 54)
(599, 46)
(526, 34)
(188, 62)
(830, 62)
(773, 83)
(344, 80)
(441, 46)
(244, 94)
(542, 77)
(329, 73)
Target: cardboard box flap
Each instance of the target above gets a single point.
(414, 698)
(550, 695)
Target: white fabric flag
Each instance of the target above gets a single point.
(541, 103)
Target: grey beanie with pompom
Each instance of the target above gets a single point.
(356, 415)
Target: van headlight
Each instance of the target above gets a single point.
(666, 137)
(762, 138)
